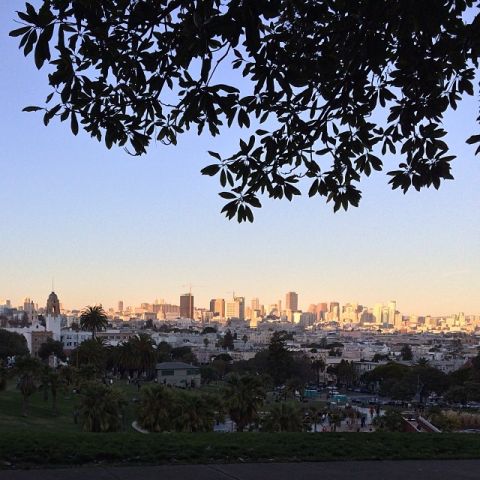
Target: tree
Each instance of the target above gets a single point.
(51, 347)
(101, 408)
(227, 341)
(280, 360)
(391, 421)
(208, 330)
(243, 397)
(318, 365)
(91, 353)
(312, 76)
(284, 417)
(406, 352)
(93, 319)
(193, 412)
(143, 353)
(28, 370)
(183, 354)
(153, 412)
(12, 344)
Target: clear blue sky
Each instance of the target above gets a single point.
(109, 226)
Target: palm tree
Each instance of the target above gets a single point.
(284, 417)
(194, 413)
(318, 366)
(28, 369)
(314, 416)
(144, 351)
(243, 396)
(127, 360)
(154, 409)
(101, 408)
(93, 319)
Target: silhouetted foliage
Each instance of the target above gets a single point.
(11, 344)
(51, 347)
(330, 89)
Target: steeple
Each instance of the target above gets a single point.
(53, 305)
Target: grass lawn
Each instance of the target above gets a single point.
(41, 418)
(22, 449)
(44, 440)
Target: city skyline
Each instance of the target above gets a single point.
(108, 225)
(183, 303)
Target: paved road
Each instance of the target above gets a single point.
(380, 470)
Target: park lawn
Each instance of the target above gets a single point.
(40, 413)
(45, 449)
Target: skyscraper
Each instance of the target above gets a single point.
(291, 301)
(236, 308)
(217, 307)
(392, 309)
(186, 305)
(255, 304)
(120, 306)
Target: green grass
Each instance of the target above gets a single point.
(40, 414)
(42, 439)
(18, 449)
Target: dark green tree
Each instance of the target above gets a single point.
(406, 352)
(183, 354)
(227, 341)
(284, 417)
(12, 344)
(28, 370)
(51, 347)
(324, 89)
(92, 353)
(101, 408)
(93, 319)
(243, 397)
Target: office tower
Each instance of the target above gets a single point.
(377, 313)
(392, 308)
(255, 304)
(217, 307)
(53, 305)
(236, 308)
(334, 311)
(186, 305)
(291, 301)
(322, 309)
(120, 306)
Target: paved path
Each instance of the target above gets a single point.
(367, 470)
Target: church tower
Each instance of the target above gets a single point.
(53, 305)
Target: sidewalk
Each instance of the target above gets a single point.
(368, 470)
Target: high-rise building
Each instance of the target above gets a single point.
(392, 309)
(291, 301)
(334, 311)
(377, 313)
(217, 307)
(186, 305)
(53, 305)
(255, 304)
(235, 308)
(120, 306)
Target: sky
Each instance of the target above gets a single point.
(108, 226)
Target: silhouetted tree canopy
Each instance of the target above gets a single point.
(330, 90)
